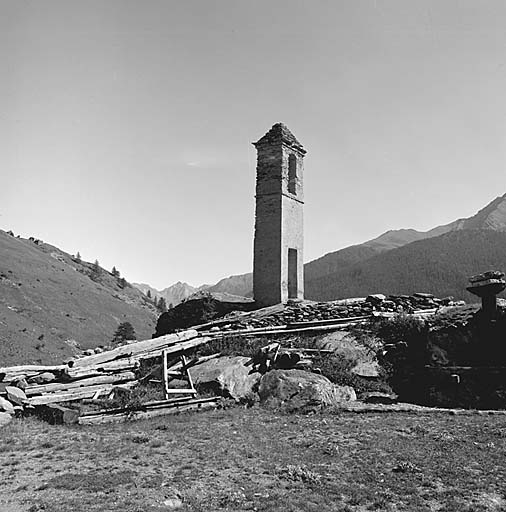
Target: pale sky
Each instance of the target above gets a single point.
(126, 126)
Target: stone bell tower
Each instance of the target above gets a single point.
(278, 271)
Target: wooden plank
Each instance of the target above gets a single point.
(331, 321)
(178, 349)
(69, 386)
(165, 377)
(136, 349)
(266, 332)
(198, 360)
(31, 369)
(77, 394)
(180, 391)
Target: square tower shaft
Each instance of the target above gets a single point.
(278, 270)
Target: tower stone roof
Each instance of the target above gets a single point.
(280, 133)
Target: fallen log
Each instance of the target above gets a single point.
(136, 349)
(57, 415)
(109, 367)
(120, 415)
(115, 378)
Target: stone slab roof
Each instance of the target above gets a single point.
(280, 133)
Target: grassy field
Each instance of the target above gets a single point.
(256, 459)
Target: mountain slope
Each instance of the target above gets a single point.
(439, 265)
(47, 297)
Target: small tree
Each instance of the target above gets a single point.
(148, 294)
(125, 331)
(115, 272)
(122, 282)
(155, 301)
(96, 271)
(171, 306)
(162, 305)
(78, 257)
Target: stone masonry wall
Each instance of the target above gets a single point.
(278, 223)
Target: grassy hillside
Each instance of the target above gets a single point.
(439, 265)
(48, 297)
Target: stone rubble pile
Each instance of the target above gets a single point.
(295, 313)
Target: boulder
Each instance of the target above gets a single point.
(6, 406)
(4, 418)
(16, 395)
(227, 376)
(299, 389)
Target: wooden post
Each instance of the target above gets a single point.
(190, 380)
(165, 375)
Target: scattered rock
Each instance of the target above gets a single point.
(6, 406)
(4, 418)
(42, 378)
(227, 376)
(376, 397)
(16, 395)
(298, 389)
(173, 503)
(20, 383)
(376, 298)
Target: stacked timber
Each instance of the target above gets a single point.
(91, 377)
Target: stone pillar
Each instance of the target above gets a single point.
(487, 286)
(278, 270)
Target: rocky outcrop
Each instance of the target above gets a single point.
(299, 389)
(227, 376)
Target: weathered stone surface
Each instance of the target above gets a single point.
(226, 375)
(16, 395)
(298, 389)
(370, 369)
(4, 418)
(6, 406)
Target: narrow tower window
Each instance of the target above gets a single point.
(292, 274)
(292, 174)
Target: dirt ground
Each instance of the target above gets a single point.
(255, 459)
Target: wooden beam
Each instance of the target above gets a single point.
(149, 413)
(53, 387)
(136, 349)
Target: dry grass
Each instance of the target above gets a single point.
(254, 459)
